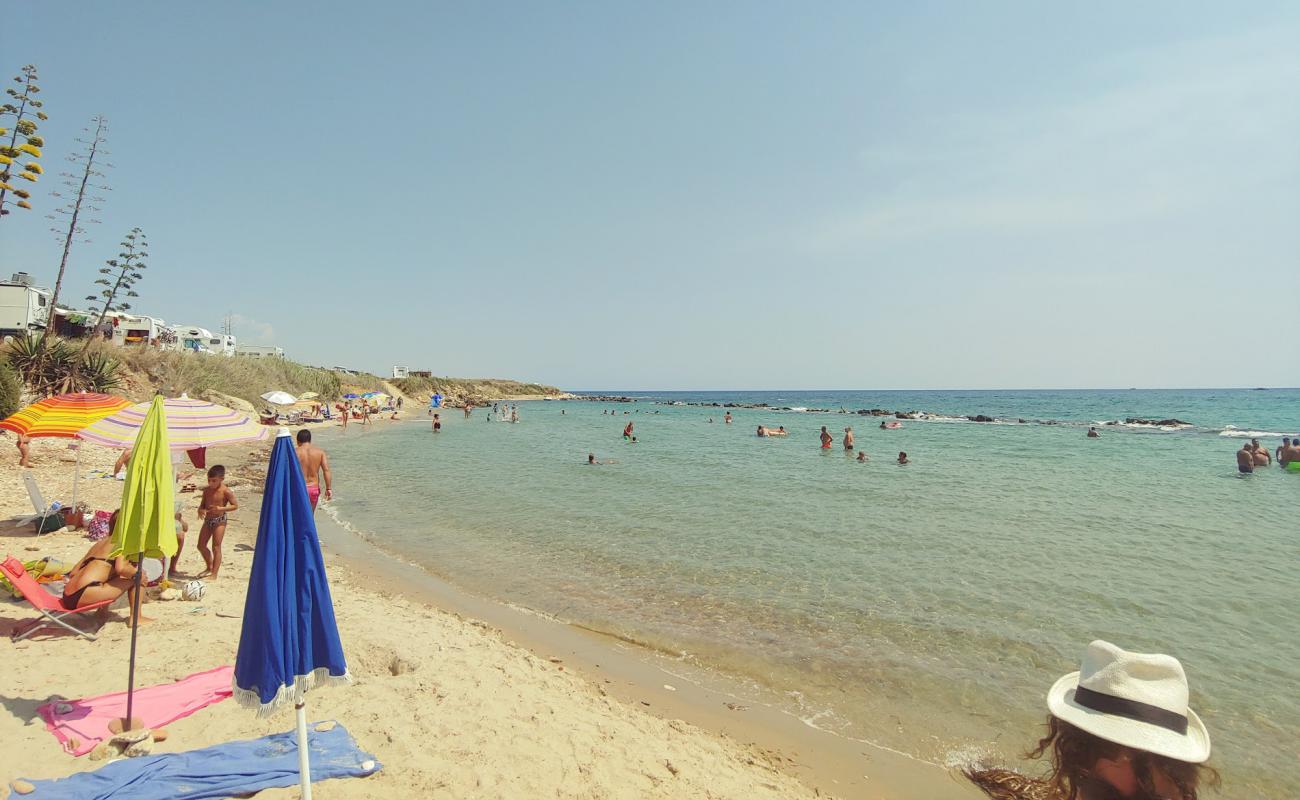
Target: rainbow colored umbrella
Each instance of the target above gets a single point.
(191, 424)
(64, 415)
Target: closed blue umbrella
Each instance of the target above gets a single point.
(289, 642)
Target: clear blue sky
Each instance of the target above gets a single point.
(695, 195)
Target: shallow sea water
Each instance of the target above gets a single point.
(926, 608)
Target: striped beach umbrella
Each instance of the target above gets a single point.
(191, 424)
(63, 415)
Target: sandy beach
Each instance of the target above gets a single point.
(457, 697)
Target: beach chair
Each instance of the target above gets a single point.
(43, 510)
(52, 611)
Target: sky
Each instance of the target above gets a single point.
(743, 195)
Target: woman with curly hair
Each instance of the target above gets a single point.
(1119, 729)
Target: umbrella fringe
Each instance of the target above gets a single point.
(291, 694)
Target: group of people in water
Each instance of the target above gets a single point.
(1253, 454)
(828, 441)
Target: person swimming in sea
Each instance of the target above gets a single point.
(762, 431)
(902, 459)
(826, 438)
(1245, 459)
(848, 438)
(862, 456)
(627, 431)
(727, 418)
(1092, 433)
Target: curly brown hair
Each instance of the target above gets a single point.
(1075, 752)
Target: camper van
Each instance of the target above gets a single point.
(129, 329)
(23, 307)
(197, 340)
(259, 351)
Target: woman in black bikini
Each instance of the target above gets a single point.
(97, 578)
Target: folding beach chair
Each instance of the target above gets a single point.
(42, 509)
(52, 611)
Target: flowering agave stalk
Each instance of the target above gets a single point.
(21, 106)
(87, 179)
(127, 268)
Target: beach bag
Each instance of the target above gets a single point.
(98, 527)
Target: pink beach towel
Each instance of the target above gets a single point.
(85, 724)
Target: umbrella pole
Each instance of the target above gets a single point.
(135, 630)
(76, 477)
(304, 760)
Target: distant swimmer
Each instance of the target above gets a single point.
(592, 462)
(1263, 458)
(882, 425)
(469, 407)
(437, 423)
(710, 420)
(1289, 454)
(781, 431)
(1245, 459)
(627, 431)
(1282, 450)
(762, 431)
(862, 456)
(827, 439)
(902, 459)
(848, 438)
(514, 413)
(632, 440)
(727, 418)
(1092, 433)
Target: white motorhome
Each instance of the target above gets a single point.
(196, 339)
(259, 351)
(400, 372)
(129, 329)
(24, 308)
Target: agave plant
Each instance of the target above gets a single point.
(98, 373)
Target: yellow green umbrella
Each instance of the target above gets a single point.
(146, 520)
(146, 526)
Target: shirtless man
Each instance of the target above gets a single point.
(848, 438)
(1245, 459)
(1092, 433)
(902, 459)
(727, 418)
(314, 462)
(1263, 458)
(762, 431)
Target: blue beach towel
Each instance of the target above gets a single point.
(224, 770)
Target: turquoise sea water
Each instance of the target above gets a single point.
(927, 607)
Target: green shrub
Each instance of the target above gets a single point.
(10, 390)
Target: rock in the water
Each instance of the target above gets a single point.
(980, 418)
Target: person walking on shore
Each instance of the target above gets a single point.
(827, 439)
(1118, 728)
(315, 463)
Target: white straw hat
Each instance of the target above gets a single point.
(1135, 699)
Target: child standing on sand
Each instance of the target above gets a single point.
(217, 501)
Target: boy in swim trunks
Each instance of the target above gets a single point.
(217, 502)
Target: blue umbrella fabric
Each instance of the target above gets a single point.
(289, 641)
